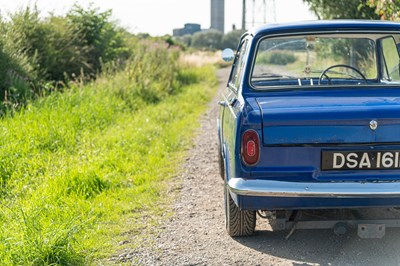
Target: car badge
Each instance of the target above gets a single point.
(373, 124)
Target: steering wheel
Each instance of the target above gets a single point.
(323, 73)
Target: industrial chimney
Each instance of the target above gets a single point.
(218, 15)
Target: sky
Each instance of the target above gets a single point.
(160, 17)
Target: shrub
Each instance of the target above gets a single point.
(152, 69)
(102, 38)
(211, 39)
(18, 73)
(28, 35)
(277, 58)
(38, 54)
(62, 56)
(231, 39)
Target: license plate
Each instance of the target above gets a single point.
(360, 160)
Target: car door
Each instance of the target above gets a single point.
(230, 107)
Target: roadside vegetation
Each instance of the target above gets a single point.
(355, 9)
(38, 56)
(94, 121)
(211, 40)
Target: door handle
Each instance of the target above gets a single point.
(223, 103)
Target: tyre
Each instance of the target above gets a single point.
(238, 222)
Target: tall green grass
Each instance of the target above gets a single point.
(80, 169)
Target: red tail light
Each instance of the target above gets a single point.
(250, 147)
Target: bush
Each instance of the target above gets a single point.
(18, 73)
(231, 39)
(65, 55)
(152, 69)
(102, 38)
(28, 35)
(211, 39)
(186, 40)
(37, 55)
(277, 58)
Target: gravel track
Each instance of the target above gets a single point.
(195, 235)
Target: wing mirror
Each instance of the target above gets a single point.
(228, 55)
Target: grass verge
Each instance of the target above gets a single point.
(80, 169)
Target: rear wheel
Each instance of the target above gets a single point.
(238, 222)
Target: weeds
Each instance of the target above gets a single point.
(79, 169)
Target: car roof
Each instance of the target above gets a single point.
(326, 25)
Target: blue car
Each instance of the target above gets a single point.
(310, 120)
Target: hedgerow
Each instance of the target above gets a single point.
(38, 55)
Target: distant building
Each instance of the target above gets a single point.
(218, 15)
(189, 28)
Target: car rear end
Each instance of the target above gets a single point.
(315, 151)
(329, 108)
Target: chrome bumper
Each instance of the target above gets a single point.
(268, 188)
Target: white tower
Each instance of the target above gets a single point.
(218, 15)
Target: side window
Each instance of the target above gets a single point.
(237, 71)
(390, 60)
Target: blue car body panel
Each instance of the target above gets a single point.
(347, 124)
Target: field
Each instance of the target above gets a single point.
(79, 169)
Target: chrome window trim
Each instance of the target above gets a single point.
(296, 87)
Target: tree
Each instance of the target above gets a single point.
(27, 35)
(231, 39)
(211, 39)
(102, 38)
(342, 9)
(65, 52)
(386, 9)
(186, 40)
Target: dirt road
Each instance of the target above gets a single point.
(196, 235)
